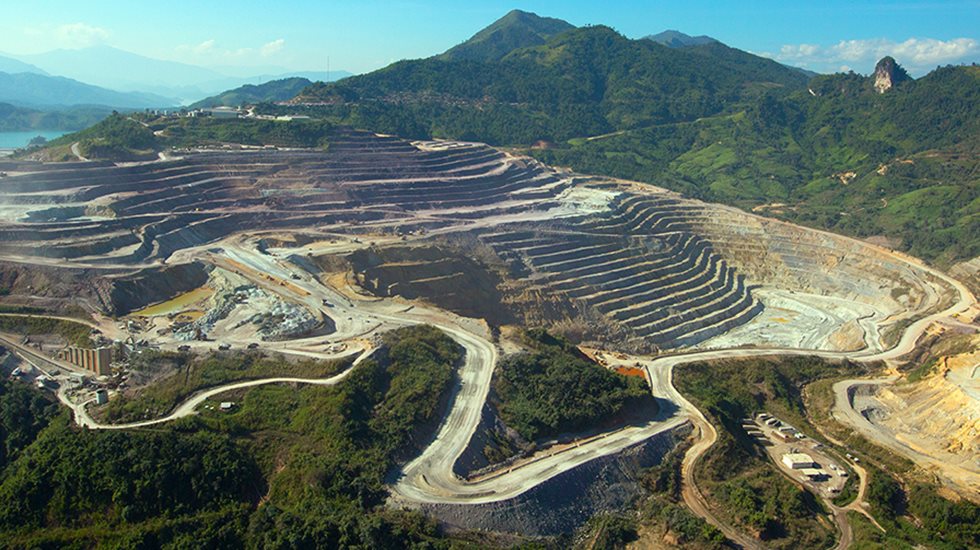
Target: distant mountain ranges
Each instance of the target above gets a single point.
(81, 86)
(105, 78)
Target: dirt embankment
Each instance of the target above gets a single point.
(568, 500)
(937, 410)
(54, 289)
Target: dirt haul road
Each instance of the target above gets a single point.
(430, 477)
(189, 407)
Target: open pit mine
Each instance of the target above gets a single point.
(316, 252)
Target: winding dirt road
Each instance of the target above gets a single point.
(189, 407)
(430, 476)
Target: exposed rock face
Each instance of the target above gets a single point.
(888, 74)
(131, 292)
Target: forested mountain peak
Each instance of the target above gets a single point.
(677, 39)
(517, 29)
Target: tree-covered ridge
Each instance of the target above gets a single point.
(838, 156)
(76, 478)
(140, 136)
(23, 414)
(581, 82)
(517, 29)
(291, 467)
(17, 119)
(553, 388)
(250, 94)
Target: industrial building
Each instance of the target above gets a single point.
(814, 474)
(799, 461)
(94, 360)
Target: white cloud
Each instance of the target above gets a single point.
(271, 48)
(212, 52)
(204, 47)
(69, 35)
(917, 54)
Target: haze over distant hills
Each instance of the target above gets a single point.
(38, 90)
(11, 65)
(116, 69)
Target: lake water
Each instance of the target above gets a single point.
(13, 140)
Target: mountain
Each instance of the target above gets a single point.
(276, 90)
(517, 29)
(36, 90)
(117, 69)
(889, 74)
(677, 39)
(264, 73)
(582, 82)
(897, 167)
(11, 65)
(22, 119)
(312, 76)
(712, 122)
(121, 70)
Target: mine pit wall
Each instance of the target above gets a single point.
(568, 500)
(54, 288)
(444, 276)
(128, 293)
(778, 254)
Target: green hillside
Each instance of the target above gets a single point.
(141, 136)
(18, 119)
(290, 467)
(517, 29)
(250, 94)
(581, 82)
(900, 164)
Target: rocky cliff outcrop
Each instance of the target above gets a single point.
(888, 74)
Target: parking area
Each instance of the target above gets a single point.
(798, 456)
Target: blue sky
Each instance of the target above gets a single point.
(362, 35)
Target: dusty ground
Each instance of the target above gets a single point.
(939, 415)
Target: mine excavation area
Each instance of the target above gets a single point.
(938, 414)
(316, 255)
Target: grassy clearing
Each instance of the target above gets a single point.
(190, 374)
(76, 334)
